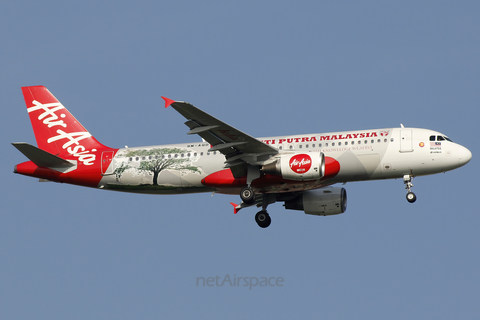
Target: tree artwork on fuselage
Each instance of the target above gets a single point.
(148, 164)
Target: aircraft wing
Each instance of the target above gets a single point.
(238, 147)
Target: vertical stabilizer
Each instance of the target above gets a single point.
(56, 130)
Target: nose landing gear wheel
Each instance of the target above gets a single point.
(247, 195)
(411, 197)
(263, 219)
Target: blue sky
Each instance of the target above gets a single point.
(268, 68)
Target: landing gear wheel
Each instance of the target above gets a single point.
(263, 219)
(407, 180)
(411, 197)
(247, 195)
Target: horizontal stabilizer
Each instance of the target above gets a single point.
(40, 157)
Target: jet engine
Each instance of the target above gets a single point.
(299, 167)
(325, 201)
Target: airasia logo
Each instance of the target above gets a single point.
(300, 163)
(72, 145)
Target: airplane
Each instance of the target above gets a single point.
(299, 170)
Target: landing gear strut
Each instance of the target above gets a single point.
(263, 219)
(407, 179)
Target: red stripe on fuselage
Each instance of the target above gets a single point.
(87, 176)
(225, 179)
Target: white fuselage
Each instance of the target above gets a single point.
(363, 155)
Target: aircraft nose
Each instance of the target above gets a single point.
(464, 155)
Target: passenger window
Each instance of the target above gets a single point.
(175, 155)
(313, 145)
(130, 159)
(201, 153)
(300, 146)
(373, 141)
(280, 148)
(339, 143)
(306, 146)
(353, 142)
(333, 144)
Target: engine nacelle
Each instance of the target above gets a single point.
(325, 201)
(299, 167)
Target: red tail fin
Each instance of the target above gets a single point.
(56, 130)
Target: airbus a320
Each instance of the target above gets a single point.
(299, 170)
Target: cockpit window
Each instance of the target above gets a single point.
(440, 138)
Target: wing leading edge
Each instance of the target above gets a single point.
(239, 148)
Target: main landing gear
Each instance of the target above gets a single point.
(411, 197)
(247, 195)
(262, 218)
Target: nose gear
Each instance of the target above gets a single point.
(407, 179)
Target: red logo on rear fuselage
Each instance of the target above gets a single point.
(300, 163)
